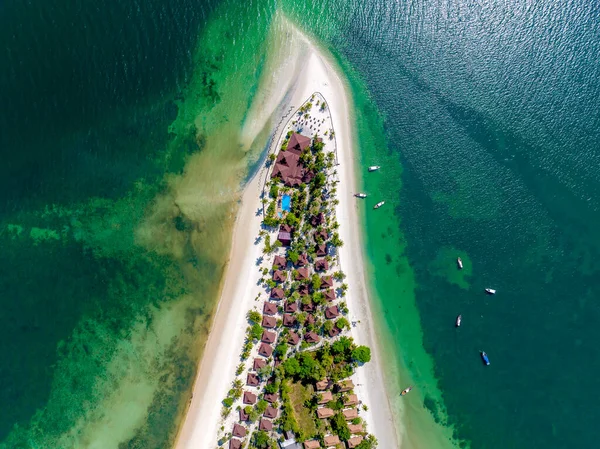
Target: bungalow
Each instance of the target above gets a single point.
(279, 262)
(279, 276)
(243, 415)
(293, 338)
(350, 413)
(277, 293)
(334, 331)
(321, 250)
(345, 385)
(298, 143)
(269, 322)
(285, 234)
(355, 428)
(352, 400)
(265, 350)
(289, 168)
(270, 412)
(238, 431)
(332, 312)
(252, 380)
(289, 320)
(301, 274)
(322, 234)
(259, 364)
(322, 385)
(312, 444)
(265, 425)
(270, 308)
(308, 306)
(354, 441)
(271, 397)
(329, 295)
(331, 440)
(303, 290)
(321, 265)
(311, 337)
(290, 307)
(325, 412)
(268, 337)
(302, 260)
(235, 444)
(310, 319)
(249, 398)
(326, 282)
(325, 397)
(317, 220)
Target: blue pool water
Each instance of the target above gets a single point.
(286, 202)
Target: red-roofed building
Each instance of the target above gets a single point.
(269, 322)
(252, 380)
(268, 337)
(335, 331)
(302, 260)
(311, 337)
(270, 308)
(238, 431)
(293, 339)
(317, 220)
(332, 312)
(331, 440)
(303, 290)
(271, 397)
(243, 415)
(279, 262)
(322, 234)
(321, 250)
(290, 307)
(249, 398)
(289, 320)
(321, 265)
(298, 143)
(259, 364)
(301, 274)
(310, 319)
(326, 282)
(270, 412)
(350, 413)
(235, 444)
(265, 350)
(308, 307)
(279, 276)
(330, 295)
(354, 441)
(265, 425)
(277, 293)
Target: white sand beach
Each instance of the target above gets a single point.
(300, 71)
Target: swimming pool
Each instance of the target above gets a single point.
(286, 201)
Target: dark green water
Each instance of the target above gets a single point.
(484, 116)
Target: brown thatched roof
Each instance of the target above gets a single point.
(311, 337)
(279, 262)
(270, 308)
(269, 322)
(290, 307)
(268, 337)
(249, 398)
(321, 265)
(289, 320)
(277, 293)
(252, 380)
(265, 350)
(332, 312)
(238, 431)
(265, 425)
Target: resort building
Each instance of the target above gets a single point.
(350, 413)
(312, 444)
(279, 262)
(259, 364)
(277, 293)
(269, 322)
(235, 444)
(271, 397)
(332, 312)
(279, 276)
(352, 400)
(268, 337)
(355, 428)
(270, 308)
(252, 380)
(311, 337)
(326, 282)
(289, 320)
(322, 385)
(321, 265)
(290, 307)
(265, 425)
(345, 385)
(331, 440)
(249, 398)
(238, 431)
(329, 295)
(354, 441)
(265, 350)
(285, 234)
(270, 412)
(325, 412)
(326, 397)
(293, 338)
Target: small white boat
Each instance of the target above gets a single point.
(490, 291)
(360, 195)
(406, 391)
(378, 205)
(458, 320)
(374, 167)
(459, 263)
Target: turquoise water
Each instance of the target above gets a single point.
(286, 202)
(482, 115)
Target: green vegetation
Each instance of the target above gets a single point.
(361, 354)
(274, 190)
(340, 427)
(303, 416)
(254, 317)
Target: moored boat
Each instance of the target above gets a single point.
(406, 391)
(490, 291)
(458, 320)
(378, 205)
(360, 195)
(484, 358)
(459, 263)
(374, 167)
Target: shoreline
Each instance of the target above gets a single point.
(240, 286)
